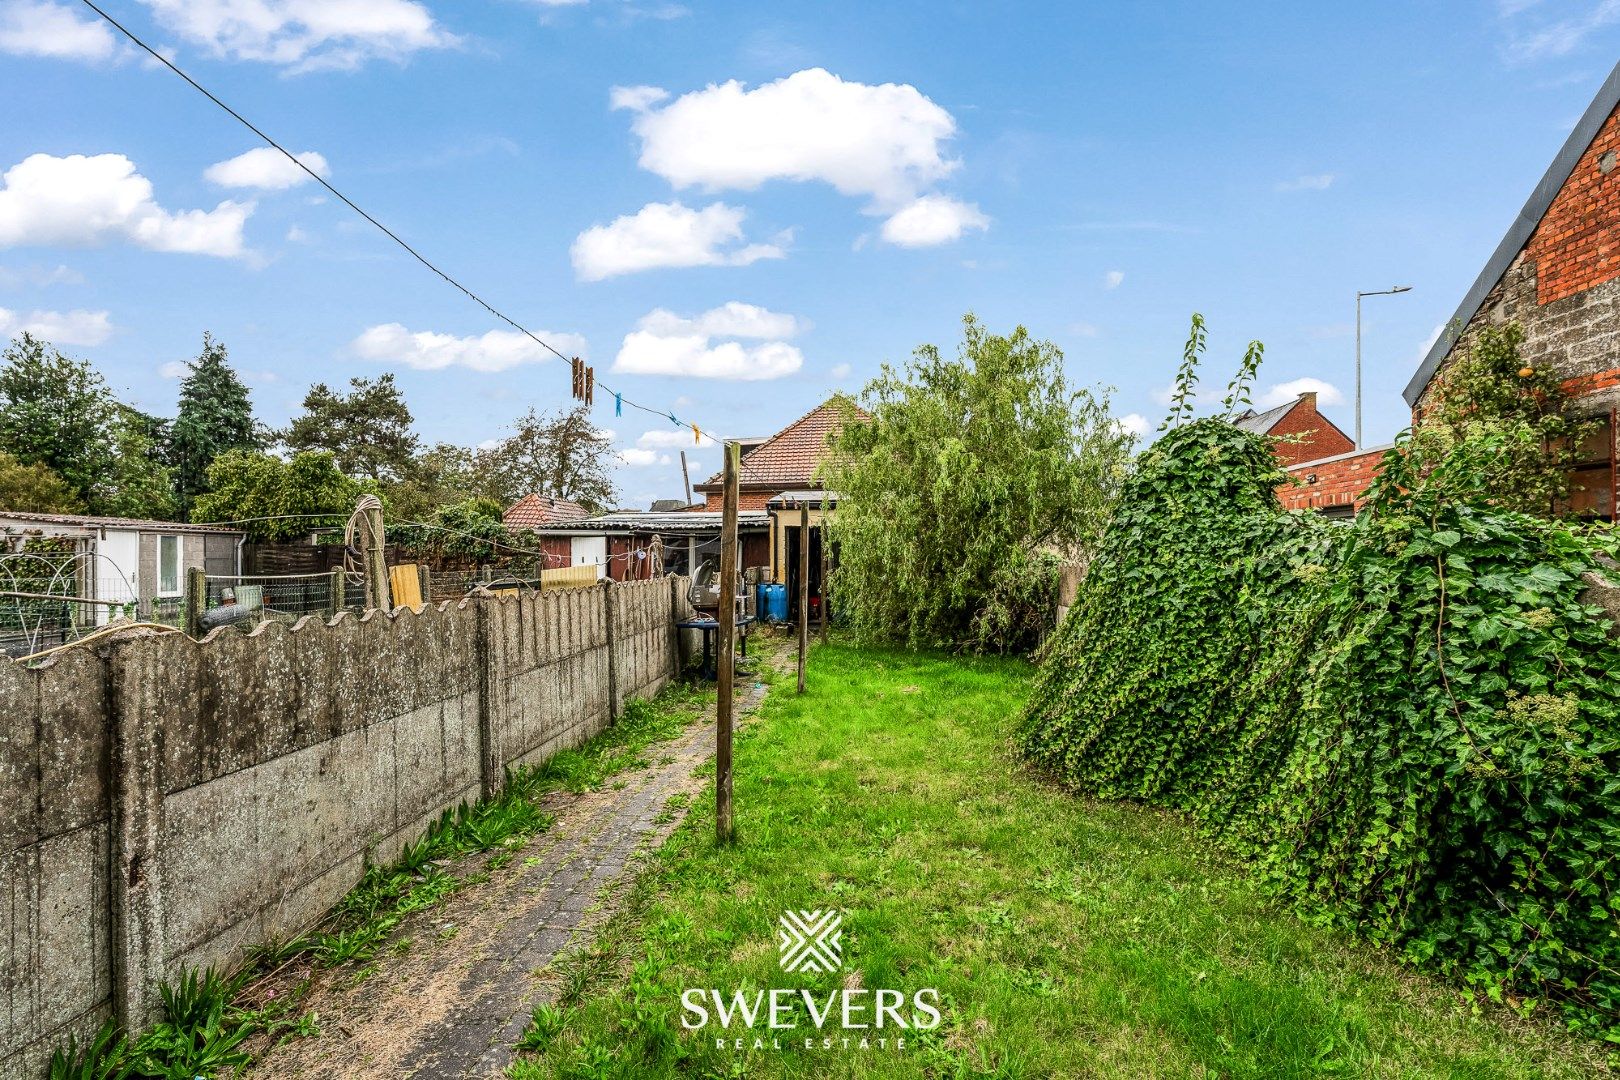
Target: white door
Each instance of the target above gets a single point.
(590, 551)
(116, 571)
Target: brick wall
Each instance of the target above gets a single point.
(1306, 435)
(746, 500)
(1577, 244)
(1339, 481)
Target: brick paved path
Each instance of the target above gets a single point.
(455, 1002)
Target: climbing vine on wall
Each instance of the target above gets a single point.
(1409, 725)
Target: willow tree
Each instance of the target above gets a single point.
(963, 484)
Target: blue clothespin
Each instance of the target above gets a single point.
(618, 404)
(674, 421)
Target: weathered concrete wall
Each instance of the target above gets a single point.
(169, 804)
(55, 823)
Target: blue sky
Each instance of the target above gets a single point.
(746, 206)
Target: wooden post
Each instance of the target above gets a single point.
(425, 577)
(334, 592)
(726, 660)
(686, 477)
(826, 565)
(377, 591)
(804, 587)
(196, 601)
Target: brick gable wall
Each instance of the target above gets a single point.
(1577, 244)
(1339, 482)
(1305, 435)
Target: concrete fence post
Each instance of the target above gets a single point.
(612, 662)
(674, 630)
(137, 827)
(196, 600)
(491, 774)
(334, 592)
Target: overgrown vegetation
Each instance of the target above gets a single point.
(1491, 397)
(208, 1017)
(1067, 937)
(962, 486)
(1408, 726)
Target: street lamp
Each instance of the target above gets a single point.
(1359, 295)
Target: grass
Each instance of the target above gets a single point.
(1065, 937)
(208, 1017)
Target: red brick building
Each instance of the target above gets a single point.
(1557, 274)
(786, 461)
(1298, 431)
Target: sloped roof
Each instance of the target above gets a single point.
(789, 458)
(679, 521)
(534, 510)
(90, 521)
(1519, 233)
(1261, 423)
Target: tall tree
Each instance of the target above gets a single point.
(215, 417)
(138, 483)
(55, 411)
(565, 456)
(367, 430)
(961, 487)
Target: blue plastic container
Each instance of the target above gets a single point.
(776, 602)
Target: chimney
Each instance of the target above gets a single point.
(1309, 398)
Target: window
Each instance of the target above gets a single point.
(168, 566)
(1592, 491)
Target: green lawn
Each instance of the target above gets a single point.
(1065, 937)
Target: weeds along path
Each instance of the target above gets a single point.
(452, 992)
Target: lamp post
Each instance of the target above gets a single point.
(1359, 295)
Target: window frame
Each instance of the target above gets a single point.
(164, 541)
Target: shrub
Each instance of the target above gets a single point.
(1408, 725)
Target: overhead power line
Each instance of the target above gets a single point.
(619, 400)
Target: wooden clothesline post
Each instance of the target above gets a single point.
(726, 632)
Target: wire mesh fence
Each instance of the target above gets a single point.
(249, 599)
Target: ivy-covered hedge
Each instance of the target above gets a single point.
(1408, 725)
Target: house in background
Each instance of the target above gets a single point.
(1557, 274)
(535, 510)
(131, 560)
(1299, 432)
(779, 476)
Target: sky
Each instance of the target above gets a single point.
(733, 210)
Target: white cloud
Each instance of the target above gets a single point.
(297, 235)
(636, 98)
(265, 168)
(1135, 423)
(636, 456)
(305, 35)
(664, 343)
(1428, 342)
(841, 371)
(1562, 36)
(425, 350)
(931, 220)
(82, 201)
(885, 143)
(58, 327)
(42, 28)
(1312, 182)
(1283, 393)
(1083, 329)
(667, 235)
(1113, 279)
(175, 369)
(673, 438)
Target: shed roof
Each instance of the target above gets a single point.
(1519, 233)
(676, 522)
(91, 521)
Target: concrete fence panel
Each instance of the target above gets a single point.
(168, 804)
